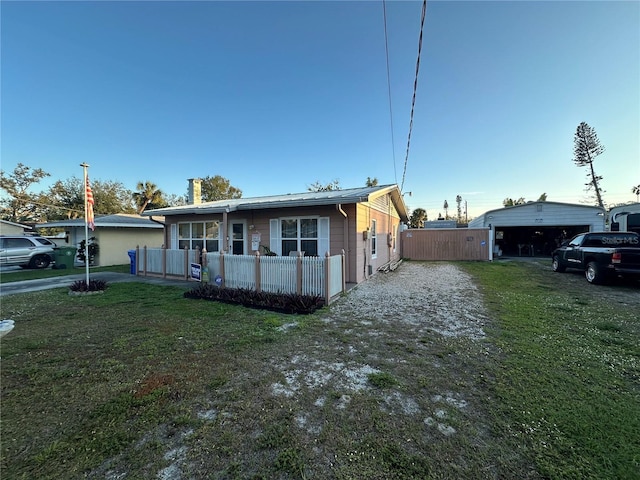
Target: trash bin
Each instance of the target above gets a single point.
(132, 262)
(64, 257)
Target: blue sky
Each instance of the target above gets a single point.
(275, 96)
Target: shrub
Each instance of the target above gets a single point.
(94, 286)
(279, 302)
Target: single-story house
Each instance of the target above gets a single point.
(536, 228)
(114, 234)
(363, 222)
(12, 228)
(625, 218)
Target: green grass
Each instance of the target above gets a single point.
(28, 274)
(127, 383)
(84, 377)
(569, 384)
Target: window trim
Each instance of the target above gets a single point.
(374, 238)
(322, 242)
(176, 231)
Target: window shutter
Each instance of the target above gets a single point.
(174, 236)
(275, 245)
(323, 236)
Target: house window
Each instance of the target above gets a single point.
(300, 235)
(199, 234)
(308, 235)
(374, 239)
(393, 237)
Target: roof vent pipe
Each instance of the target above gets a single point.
(195, 191)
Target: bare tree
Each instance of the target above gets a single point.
(329, 187)
(636, 191)
(586, 147)
(446, 210)
(21, 205)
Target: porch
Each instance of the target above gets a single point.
(322, 276)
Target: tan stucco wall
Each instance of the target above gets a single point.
(115, 242)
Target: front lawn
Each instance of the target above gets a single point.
(143, 383)
(29, 274)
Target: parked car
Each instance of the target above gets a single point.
(601, 255)
(26, 251)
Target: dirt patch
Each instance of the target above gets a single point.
(389, 382)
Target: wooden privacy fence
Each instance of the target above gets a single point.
(323, 276)
(447, 244)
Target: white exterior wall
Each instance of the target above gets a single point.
(543, 214)
(10, 228)
(619, 214)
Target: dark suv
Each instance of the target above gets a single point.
(25, 251)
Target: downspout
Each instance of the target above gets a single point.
(166, 234)
(346, 236)
(225, 230)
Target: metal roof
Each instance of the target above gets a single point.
(541, 202)
(291, 200)
(115, 221)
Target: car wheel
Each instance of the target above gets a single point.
(593, 273)
(39, 261)
(555, 264)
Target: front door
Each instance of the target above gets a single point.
(238, 238)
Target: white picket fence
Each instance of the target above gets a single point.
(323, 276)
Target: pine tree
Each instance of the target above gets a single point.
(586, 148)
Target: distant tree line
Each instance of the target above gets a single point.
(65, 198)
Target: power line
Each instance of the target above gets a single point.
(386, 48)
(415, 88)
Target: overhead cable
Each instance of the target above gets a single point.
(415, 88)
(386, 48)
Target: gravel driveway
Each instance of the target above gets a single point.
(421, 328)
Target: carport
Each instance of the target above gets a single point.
(535, 228)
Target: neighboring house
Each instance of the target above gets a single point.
(536, 228)
(11, 228)
(114, 234)
(364, 222)
(625, 218)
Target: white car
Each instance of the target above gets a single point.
(26, 251)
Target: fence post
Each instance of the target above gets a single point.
(186, 263)
(164, 262)
(222, 267)
(258, 277)
(144, 271)
(327, 278)
(344, 272)
(299, 273)
(137, 259)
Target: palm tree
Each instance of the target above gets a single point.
(147, 193)
(417, 218)
(636, 191)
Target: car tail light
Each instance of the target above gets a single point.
(616, 258)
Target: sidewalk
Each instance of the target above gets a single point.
(65, 281)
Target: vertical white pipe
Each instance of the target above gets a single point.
(86, 225)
